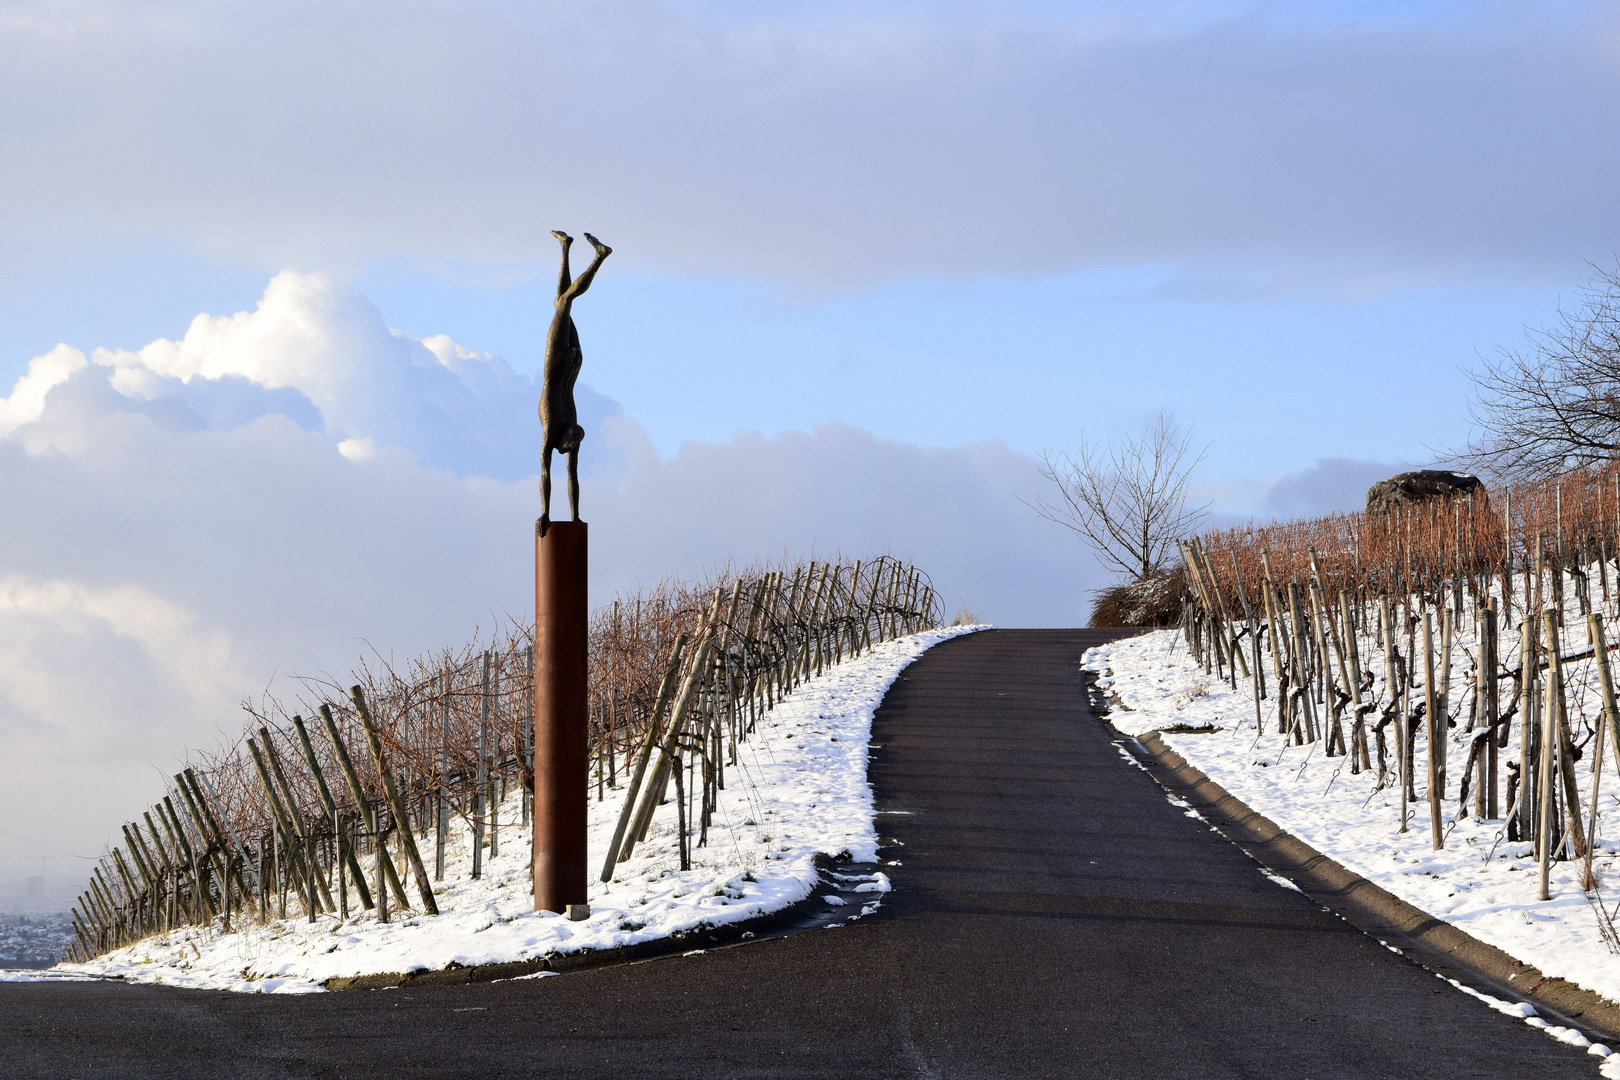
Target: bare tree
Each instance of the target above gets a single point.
(1128, 502)
(1553, 405)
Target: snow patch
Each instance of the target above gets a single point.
(1280, 880)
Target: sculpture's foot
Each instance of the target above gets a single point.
(545, 520)
(602, 250)
(563, 238)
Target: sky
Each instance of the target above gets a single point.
(275, 282)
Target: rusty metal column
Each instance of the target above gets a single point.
(560, 765)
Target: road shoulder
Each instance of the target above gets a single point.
(1423, 938)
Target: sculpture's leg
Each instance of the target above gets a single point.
(573, 481)
(545, 488)
(564, 279)
(584, 280)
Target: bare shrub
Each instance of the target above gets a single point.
(1129, 503)
(1153, 601)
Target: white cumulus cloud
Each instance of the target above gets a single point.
(26, 402)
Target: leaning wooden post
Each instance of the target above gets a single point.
(481, 775)
(666, 688)
(130, 891)
(442, 800)
(1205, 591)
(1529, 704)
(1393, 687)
(340, 842)
(167, 866)
(297, 818)
(295, 861)
(176, 831)
(846, 626)
(1257, 672)
(383, 864)
(368, 818)
(111, 920)
(396, 805)
(1327, 636)
(213, 820)
(80, 932)
(1485, 691)
(1442, 749)
(1300, 650)
(1608, 722)
(104, 902)
(1566, 770)
(1358, 736)
(669, 745)
(202, 857)
(184, 859)
(142, 857)
(871, 602)
(495, 779)
(1431, 730)
(1549, 745)
(219, 809)
(330, 805)
(91, 919)
(1274, 627)
(804, 618)
(213, 839)
(1203, 611)
(1237, 662)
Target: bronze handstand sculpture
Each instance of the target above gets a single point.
(559, 419)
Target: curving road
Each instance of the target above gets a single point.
(1053, 916)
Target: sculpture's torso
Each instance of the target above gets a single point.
(559, 420)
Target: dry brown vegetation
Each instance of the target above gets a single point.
(1418, 549)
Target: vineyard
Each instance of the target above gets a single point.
(1454, 651)
(350, 799)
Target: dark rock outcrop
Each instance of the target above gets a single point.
(1421, 485)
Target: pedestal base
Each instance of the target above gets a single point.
(561, 788)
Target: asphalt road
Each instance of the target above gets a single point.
(1053, 916)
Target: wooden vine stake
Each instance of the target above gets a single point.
(1608, 724)
(1549, 742)
(1431, 728)
(665, 689)
(396, 805)
(386, 874)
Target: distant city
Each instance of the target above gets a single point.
(33, 941)
(45, 891)
(34, 924)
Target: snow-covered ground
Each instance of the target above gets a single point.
(798, 788)
(1480, 881)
